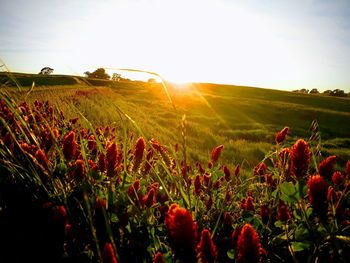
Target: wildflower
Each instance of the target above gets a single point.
(158, 258)
(37, 104)
(26, 148)
(235, 235)
(281, 135)
(337, 178)
(79, 169)
(347, 168)
(106, 131)
(284, 156)
(200, 168)
(40, 156)
(111, 158)
(209, 203)
(249, 204)
(300, 158)
(163, 152)
(157, 145)
(68, 232)
(332, 195)
(242, 204)
(264, 213)
(92, 144)
(228, 196)
(69, 146)
(134, 189)
(108, 255)
(50, 111)
(154, 186)
(197, 184)
(206, 249)
(227, 220)
(58, 213)
(124, 219)
(237, 170)
(9, 142)
(99, 204)
(269, 180)
(248, 245)
(148, 163)
(138, 153)
(283, 213)
(325, 168)
(182, 230)
(217, 184)
(210, 164)
(216, 152)
(318, 190)
(184, 172)
(92, 166)
(74, 121)
(176, 147)
(101, 162)
(207, 179)
(83, 133)
(260, 169)
(227, 174)
(148, 200)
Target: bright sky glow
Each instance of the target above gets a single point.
(274, 44)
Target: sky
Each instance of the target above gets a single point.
(281, 44)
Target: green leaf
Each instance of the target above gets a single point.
(300, 246)
(114, 218)
(301, 190)
(231, 254)
(322, 230)
(288, 192)
(301, 233)
(279, 224)
(274, 193)
(288, 189)
(309, 212)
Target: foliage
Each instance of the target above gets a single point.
(99, 73)
(85, 194)
(46, 71)
(336, 93)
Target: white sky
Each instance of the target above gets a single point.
(273, 44)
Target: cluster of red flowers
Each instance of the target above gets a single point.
(107, 199)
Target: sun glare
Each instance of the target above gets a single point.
(194, 41)
(178, 41)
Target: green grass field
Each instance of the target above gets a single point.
(244, 119)
(91, 194)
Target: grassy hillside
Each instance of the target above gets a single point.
(244, 119)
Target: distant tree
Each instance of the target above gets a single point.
(328, 91)
(99, 73)
(46, 71)
(338, 93)
(116, 77)
(151, 80)
(314, 91)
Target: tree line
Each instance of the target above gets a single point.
(335, 92)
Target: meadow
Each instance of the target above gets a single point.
(127, 171)
(244, 119)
